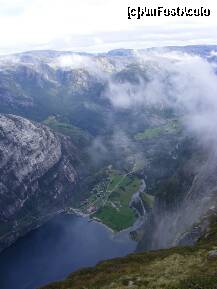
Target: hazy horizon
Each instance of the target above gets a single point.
(107, 51)
(99, 26)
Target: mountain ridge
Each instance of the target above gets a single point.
(128, 117)
(35, 163)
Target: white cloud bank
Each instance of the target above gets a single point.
(181, 81)
(97, 25)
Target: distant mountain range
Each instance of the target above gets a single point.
(138, 115)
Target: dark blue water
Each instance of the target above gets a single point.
(61, 246)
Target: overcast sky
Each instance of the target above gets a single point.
(98, 25)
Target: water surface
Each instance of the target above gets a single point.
(61, 246)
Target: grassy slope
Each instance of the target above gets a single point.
(176, 268)
(78, 136)
(122, 189)
(150, 133)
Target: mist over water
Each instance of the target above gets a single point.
(58, 248)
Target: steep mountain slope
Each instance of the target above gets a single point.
(38, 175)
(78, 86)
(126, 112)
(184, 204)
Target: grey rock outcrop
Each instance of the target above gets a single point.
(37, 175)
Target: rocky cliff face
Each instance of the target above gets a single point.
(38, 175)
(122, 109)
(185, 203)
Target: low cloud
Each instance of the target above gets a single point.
(183, 82)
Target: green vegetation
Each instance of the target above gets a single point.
(78, 136)
(150, 133)
(109, 201)
(116, 213)
(175, 268)
(148, 199)
(114, 218)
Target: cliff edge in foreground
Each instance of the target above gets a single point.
(176, 268)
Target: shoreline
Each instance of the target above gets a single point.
(77, 212)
